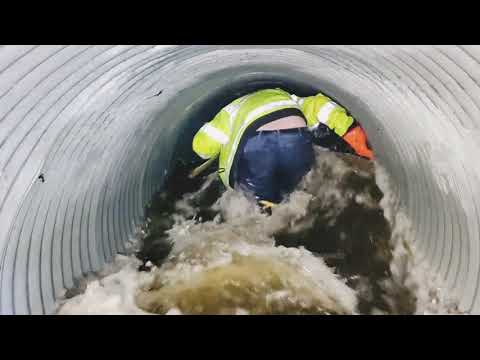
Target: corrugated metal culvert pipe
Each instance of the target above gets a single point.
(87, 134)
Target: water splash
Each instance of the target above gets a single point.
(336, 246)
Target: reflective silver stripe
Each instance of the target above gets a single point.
(232, 112)
(233, 108)
(204, 157)
(298, 100)
(325, 112)
(215, 134)
(254, 114)
(267, 107)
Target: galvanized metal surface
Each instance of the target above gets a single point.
(88, 120)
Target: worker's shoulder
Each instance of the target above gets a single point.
(266, 95)
(258, 94)
(275, 91)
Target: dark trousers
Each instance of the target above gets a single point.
(272, 163)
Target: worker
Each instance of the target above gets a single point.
(265, 139)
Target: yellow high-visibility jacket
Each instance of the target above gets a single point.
(223, 135)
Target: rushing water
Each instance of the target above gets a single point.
(334, 247)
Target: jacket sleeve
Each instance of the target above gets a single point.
(208, 141)
(321, 109)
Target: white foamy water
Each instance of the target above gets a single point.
(230, 265)
(111, 292)
(431, 295)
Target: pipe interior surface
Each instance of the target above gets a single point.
(103, 123)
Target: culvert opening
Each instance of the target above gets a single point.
(327, 250)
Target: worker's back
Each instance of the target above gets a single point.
(247, 117)
(223, 134)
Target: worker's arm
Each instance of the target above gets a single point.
(208, 141)
(320, 109)
(332, 126)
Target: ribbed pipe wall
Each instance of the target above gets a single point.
(87, 119)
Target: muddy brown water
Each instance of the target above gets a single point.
(353, 239)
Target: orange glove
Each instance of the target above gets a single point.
(357, 139)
